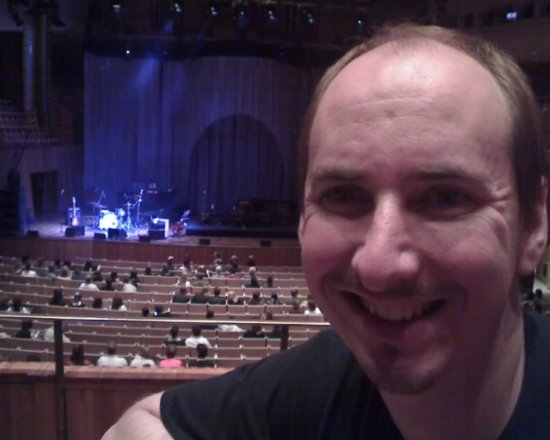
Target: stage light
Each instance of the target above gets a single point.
(212, 10)
(307, 15)
(271, 14)
(360, 22)
(177, 7)
(117, 6)
(241, 15)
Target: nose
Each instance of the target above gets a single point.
(387, 257)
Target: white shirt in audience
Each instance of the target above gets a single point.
(111, 360)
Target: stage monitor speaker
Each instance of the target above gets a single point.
(114, 233)
(99, 236)
(32, 234)
(156, 234)
(75, 231)
(204, 241)
(144, 239)
(265, 243)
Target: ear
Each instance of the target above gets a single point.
(535, 235)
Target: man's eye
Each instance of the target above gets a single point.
(447, 201)
(347, 201)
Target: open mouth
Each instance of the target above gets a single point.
(402, 312)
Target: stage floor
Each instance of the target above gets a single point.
(54, 226)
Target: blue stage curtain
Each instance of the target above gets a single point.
(213, 129)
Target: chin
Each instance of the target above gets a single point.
(398, 375)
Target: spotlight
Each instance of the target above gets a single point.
(177, 7)
(212, 10)
(308, 18)
(241, 15)
(271, 14)
(117, 6)
(360, 22)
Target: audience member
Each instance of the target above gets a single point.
(28, 271)
(170, 361)
(196, 338)
(143, 359)
(97, 303)
(216, 298)
(129, 285)
(251, 262)
(312, 309)
(173, 337)
(255, 331)
(181, 297)
(118, 304)
(161, 313)
(57, 298)
(17, 306)
(108, 286)
(88, 285)
(145, 312)
(77, 300)
(111, 359)
(25, 331)
(201, 361)
(78, 356)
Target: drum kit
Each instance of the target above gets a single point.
(126, 218)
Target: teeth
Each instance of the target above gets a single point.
(397, 312)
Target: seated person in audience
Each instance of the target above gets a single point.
(17, 306)
(108, 286)
(183, 281)
(97, 276)
(111, 359)
(230, 328)
(161, 313)
(28, 271)
(253, 282)
(312, 309)
(145, 312)
(57, 298)
(88, 284)
(201, 361)
(233, 266)
(196, 338)
(181, 297)
(129, 285)
(118, 304)
(57, 264)
(200, 297)
(143, 359)
(200, 281)
(134, 278)
(97, 303)
(209, 315)
(256, 299)
(25, 331)
(218, 261)
(77, 300)
(78, 275)
(295, 309)
(114, 277)
(274, 299)
(173, 337)
(148, 271)
(78, 357)
(187, 265)
(52, 272)
(255, 331)
(293, 298)
(218, 273)
(170, 264)
(167, 272)
(24, 260)
(65, 273)
(201, 270)
(87, 266)
(216, 298)
(49, 334)
(171, 361)
(4, 302)
(40, 267)
(270, 283)
(251, 261)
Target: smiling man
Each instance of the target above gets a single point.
(424, 203)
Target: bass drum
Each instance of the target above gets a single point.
(108, 220)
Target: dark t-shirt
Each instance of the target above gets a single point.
(318, 391)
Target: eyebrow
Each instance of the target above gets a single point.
(427, 173)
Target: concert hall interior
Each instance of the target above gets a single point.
(145, 133)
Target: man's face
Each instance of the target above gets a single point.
(411, 238)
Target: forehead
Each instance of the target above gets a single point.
(426, 91)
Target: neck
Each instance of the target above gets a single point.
(474, 400)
